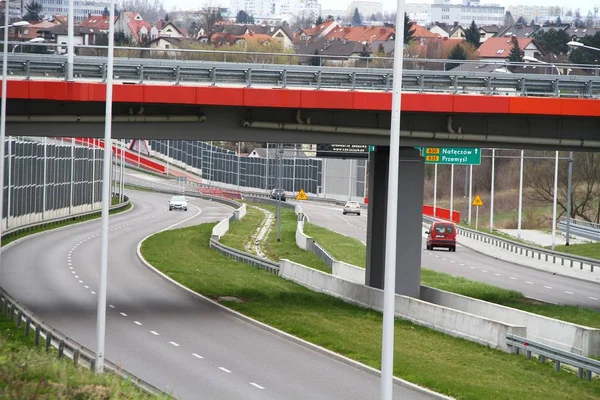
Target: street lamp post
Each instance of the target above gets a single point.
(535, 60)
(34, 40)
(579, 45)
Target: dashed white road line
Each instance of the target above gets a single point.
(567, 292)
(462, 265)
(86, 286)
(225, 370)
(452, 261)
(155, 333)
(592, 298)
(472, 267)
(530, 283)
(123, 314)
(174, 344)
(256, 385)
(137, 323)
(197, 356)
(80, 281)
(111, 306)
(548, 287)
(483, 270)
(512, 278)
(92, 292)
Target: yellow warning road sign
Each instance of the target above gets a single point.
(477, 201)
(302, 195)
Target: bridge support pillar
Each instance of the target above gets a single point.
(410, 220)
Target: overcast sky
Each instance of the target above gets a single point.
(584, 5)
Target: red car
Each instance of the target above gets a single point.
(442, 234)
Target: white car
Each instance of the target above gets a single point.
(352, 207)
(178, 203)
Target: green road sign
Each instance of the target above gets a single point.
(452, 155)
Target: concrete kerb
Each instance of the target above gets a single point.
(285, 335)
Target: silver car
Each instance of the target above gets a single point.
(178, 203)
(352, 207)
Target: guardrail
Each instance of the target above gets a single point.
(585, 366)
(80, 355)
(581, 228)
(526, 250)
(45, 335)
(244, 257)
(247, 74)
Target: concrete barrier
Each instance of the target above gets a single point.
(348, 272)
(577, 339)
(240, 212)
(452, 322)
(303, 241)
(220, 229)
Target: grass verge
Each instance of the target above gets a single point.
(28, 372)
(591, 250)
(241, 231)
(445, 364)
(66, 222)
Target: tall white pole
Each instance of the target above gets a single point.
(139, 143)
(569, 196)
(435, 190)
(45, 173)
(93, 173)
(350, 182)
(168, 159)
(451, 192)
(492, 194)
(122, 174)
(470, 191)
(9, 182)
(70, 34)
(239, 160)
(519, 219)
(3, 113)
(106, 196)
(389, 288)
(554, 202)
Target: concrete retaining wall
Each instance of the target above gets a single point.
(348, 272)
(302, 240)
(220, 229)
(563, 335)
(240, 212)
(446, 320)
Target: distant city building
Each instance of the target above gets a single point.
(365, 8)
(528, 12)
(335, 13)
(465, 13)
(269, 9)
(82, 9)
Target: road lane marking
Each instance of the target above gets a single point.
(76, 276)
(155, 333)
(86, 286)
(138, 323)
(111, 306)
(93, 292)
(483, 270)
(80, 281)
(197, 356)
(567, 292)
(497, 274)
(174, 344)
(462, 265)
(512, 278)
(444, 258)
(452, 261)
(592, 298)
(530, 283)
(225, 370)
(256, 385)
(472, 267)
(123, 314)
(548, 287)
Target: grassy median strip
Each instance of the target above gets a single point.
(446, 364)
(240, 233)
(28, 372)
(353, 252)
(590, 250)
(66, 222)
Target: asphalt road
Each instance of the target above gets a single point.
(471, 264)
(159, 331)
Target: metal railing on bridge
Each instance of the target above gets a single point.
(140, 70)
(586, 229)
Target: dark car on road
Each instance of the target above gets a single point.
(276, 193)
(442, 234)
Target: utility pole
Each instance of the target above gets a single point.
(470, 191)
(520, 196)
(435, 167)
(569, 196)
(451, 192)
(554, 201)
(280, 151)
(492, 194)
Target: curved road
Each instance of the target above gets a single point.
(471, 264)
(160, 332)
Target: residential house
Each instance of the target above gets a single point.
(315, 32)
(133, 26)
(457, 32)
(336, 52)
(167, 29)
(26, 33)
(167, 42)
(579, 33)
(98, 22)
(232, 33)
(81, 36)
(420, 32)
(441, 29)
(519, 31)
(488, 31)
(498, 48)
(362, 34)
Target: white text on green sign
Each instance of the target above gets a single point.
(452, 155)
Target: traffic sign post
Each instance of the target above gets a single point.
(301, 195)
(477, 203)
(452, 155)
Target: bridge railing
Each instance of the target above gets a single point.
(289, 57)
(140, 70)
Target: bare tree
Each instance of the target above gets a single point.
(539, 176)
(150, 10)
(209, 17)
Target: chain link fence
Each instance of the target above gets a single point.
(218, 166)
(47, 178)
